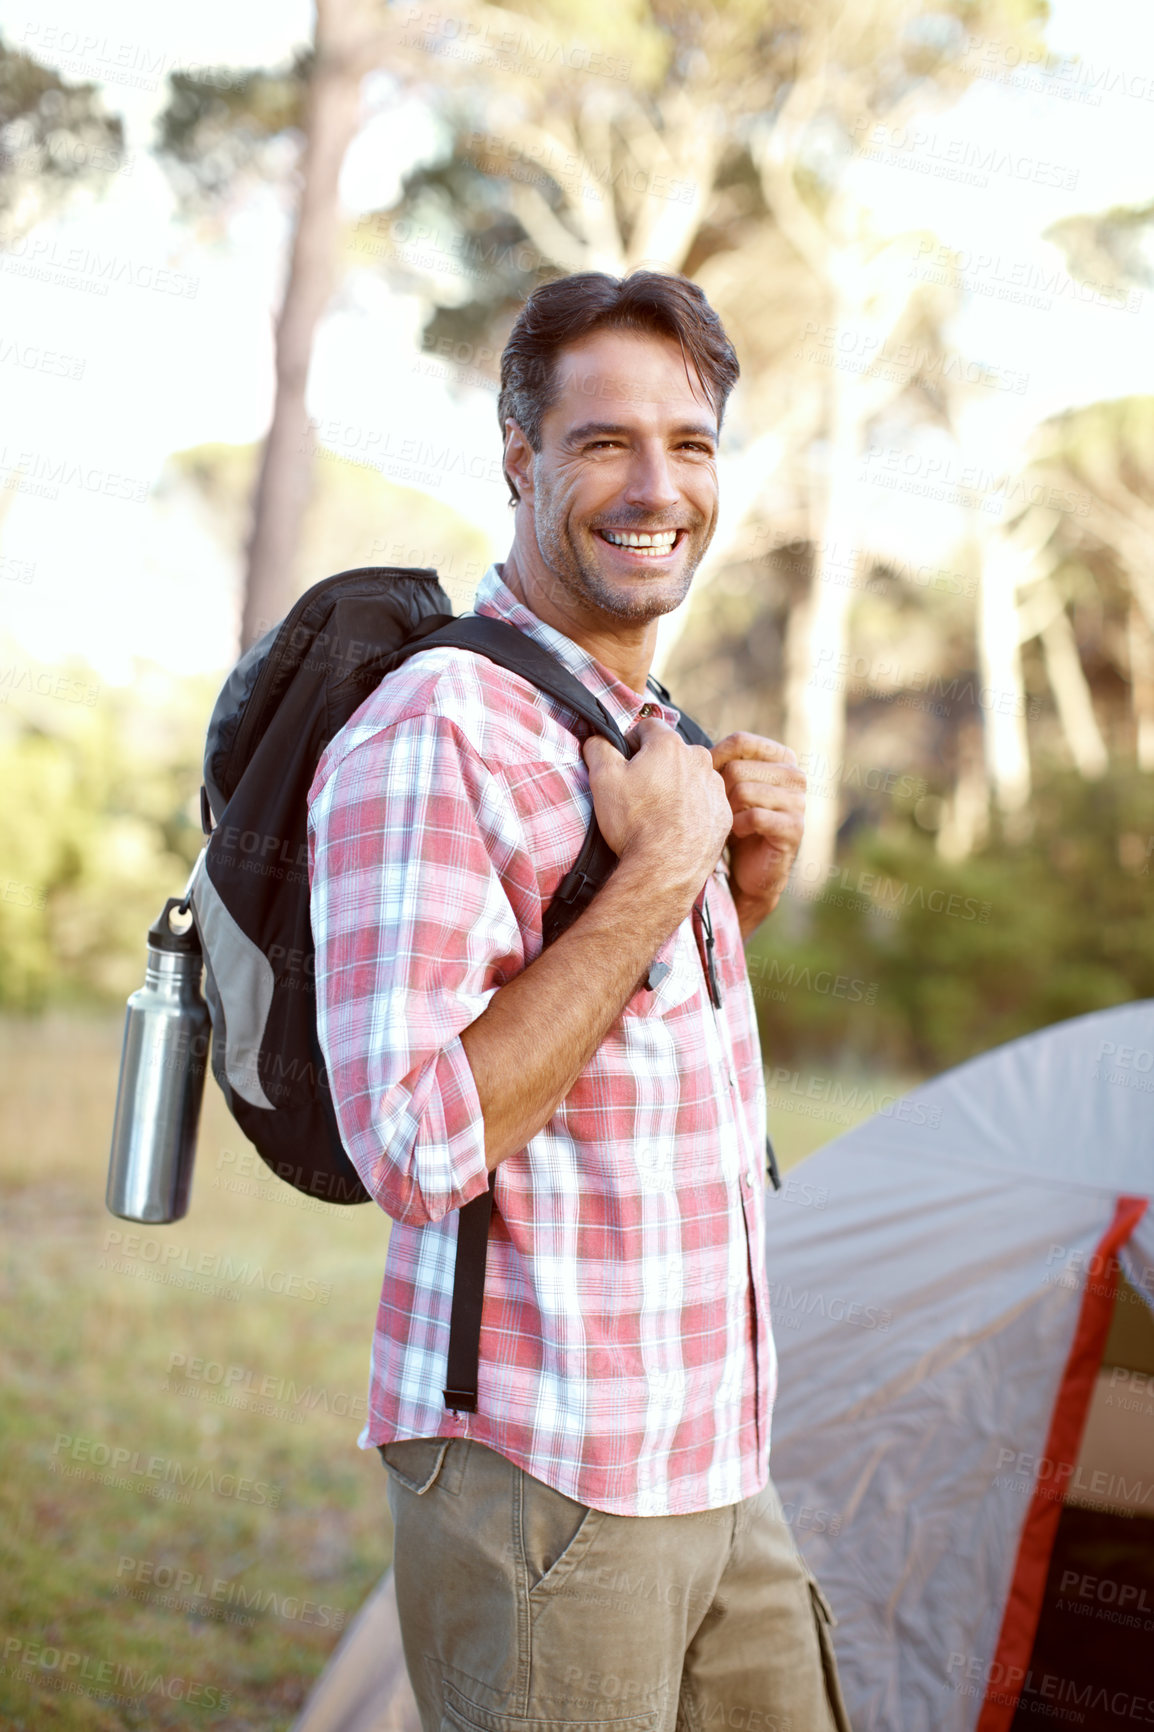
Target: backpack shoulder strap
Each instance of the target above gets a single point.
(510, 648)
(689, 730)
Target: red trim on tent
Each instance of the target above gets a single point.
(1067, 1422)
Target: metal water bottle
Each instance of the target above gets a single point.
(162, 1067)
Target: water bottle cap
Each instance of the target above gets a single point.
(161, 935)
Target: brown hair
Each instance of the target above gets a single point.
(561, 313)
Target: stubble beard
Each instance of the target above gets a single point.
(583, 581)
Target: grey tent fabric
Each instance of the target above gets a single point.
(364, 1687)
(924, 1315)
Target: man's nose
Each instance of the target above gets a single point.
(651, 484)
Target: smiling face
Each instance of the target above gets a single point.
(620, 503)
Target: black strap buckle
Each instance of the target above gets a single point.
(771, 1164)
(703, 932)
(572, 886)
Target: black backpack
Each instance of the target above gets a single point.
(287, 697)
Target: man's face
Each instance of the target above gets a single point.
(624, 488)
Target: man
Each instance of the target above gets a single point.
(599, 1543)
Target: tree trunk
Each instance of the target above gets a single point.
(282, 487)
(1142, 686)
(816, 721)
(1003, 692)
(966, 815)
(1072, 696)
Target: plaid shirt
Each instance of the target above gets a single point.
(626, 1355)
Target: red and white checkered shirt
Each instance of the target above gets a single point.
(626, 1354)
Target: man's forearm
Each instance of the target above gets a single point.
(529, 1046)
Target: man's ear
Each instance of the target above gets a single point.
(518, 463)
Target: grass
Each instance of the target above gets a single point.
(185, 1521)
(235, 1595)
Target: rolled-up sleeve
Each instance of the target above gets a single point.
(409, 834)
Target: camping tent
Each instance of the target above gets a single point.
(943, 1279)
(941, 1322)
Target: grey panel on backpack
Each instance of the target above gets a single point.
(243, 980)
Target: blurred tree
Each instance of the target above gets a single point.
(719, 143)
(1006, 556)
(916, 963)
(354, 516)
(332, 113)
(1110, 251)
(1040, 612)
(222, 131)
(55, 139)
(96, 829)
(907, 961)
(215, 137)
(1105, 453)
(1026, 571)
(727, 153)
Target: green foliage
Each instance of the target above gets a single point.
(96, 829)
(904, 961)
(101, 819)
(1109, 249)
(918, 963)
(218, 124)
(1113, 436)
(54, 136)
(489, 264)
(633, 32)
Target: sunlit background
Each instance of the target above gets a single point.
(929, 229)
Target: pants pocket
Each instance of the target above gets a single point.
(826, 1622)
(461, 1715)
(415, 1462)
(556, 1532)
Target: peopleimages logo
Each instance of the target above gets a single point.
(1129, 1067)
(1105, 1591)
(244, 1386)
(146, 1579)
(790, 1305)
(133, 1470)
(887, 896)
(768, 971)
(1044, 1693)
(74, 1673)
(1056, 1479)
(177, 1265)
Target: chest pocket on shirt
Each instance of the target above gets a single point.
(680, 985)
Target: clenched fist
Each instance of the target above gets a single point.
(766, 793)
(664, 808)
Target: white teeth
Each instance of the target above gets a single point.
(661, 542)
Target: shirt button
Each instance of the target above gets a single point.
(648, 710)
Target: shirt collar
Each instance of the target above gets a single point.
(495, 600)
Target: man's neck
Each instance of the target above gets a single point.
(626, 650)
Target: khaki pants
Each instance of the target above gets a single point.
(523, 1611)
